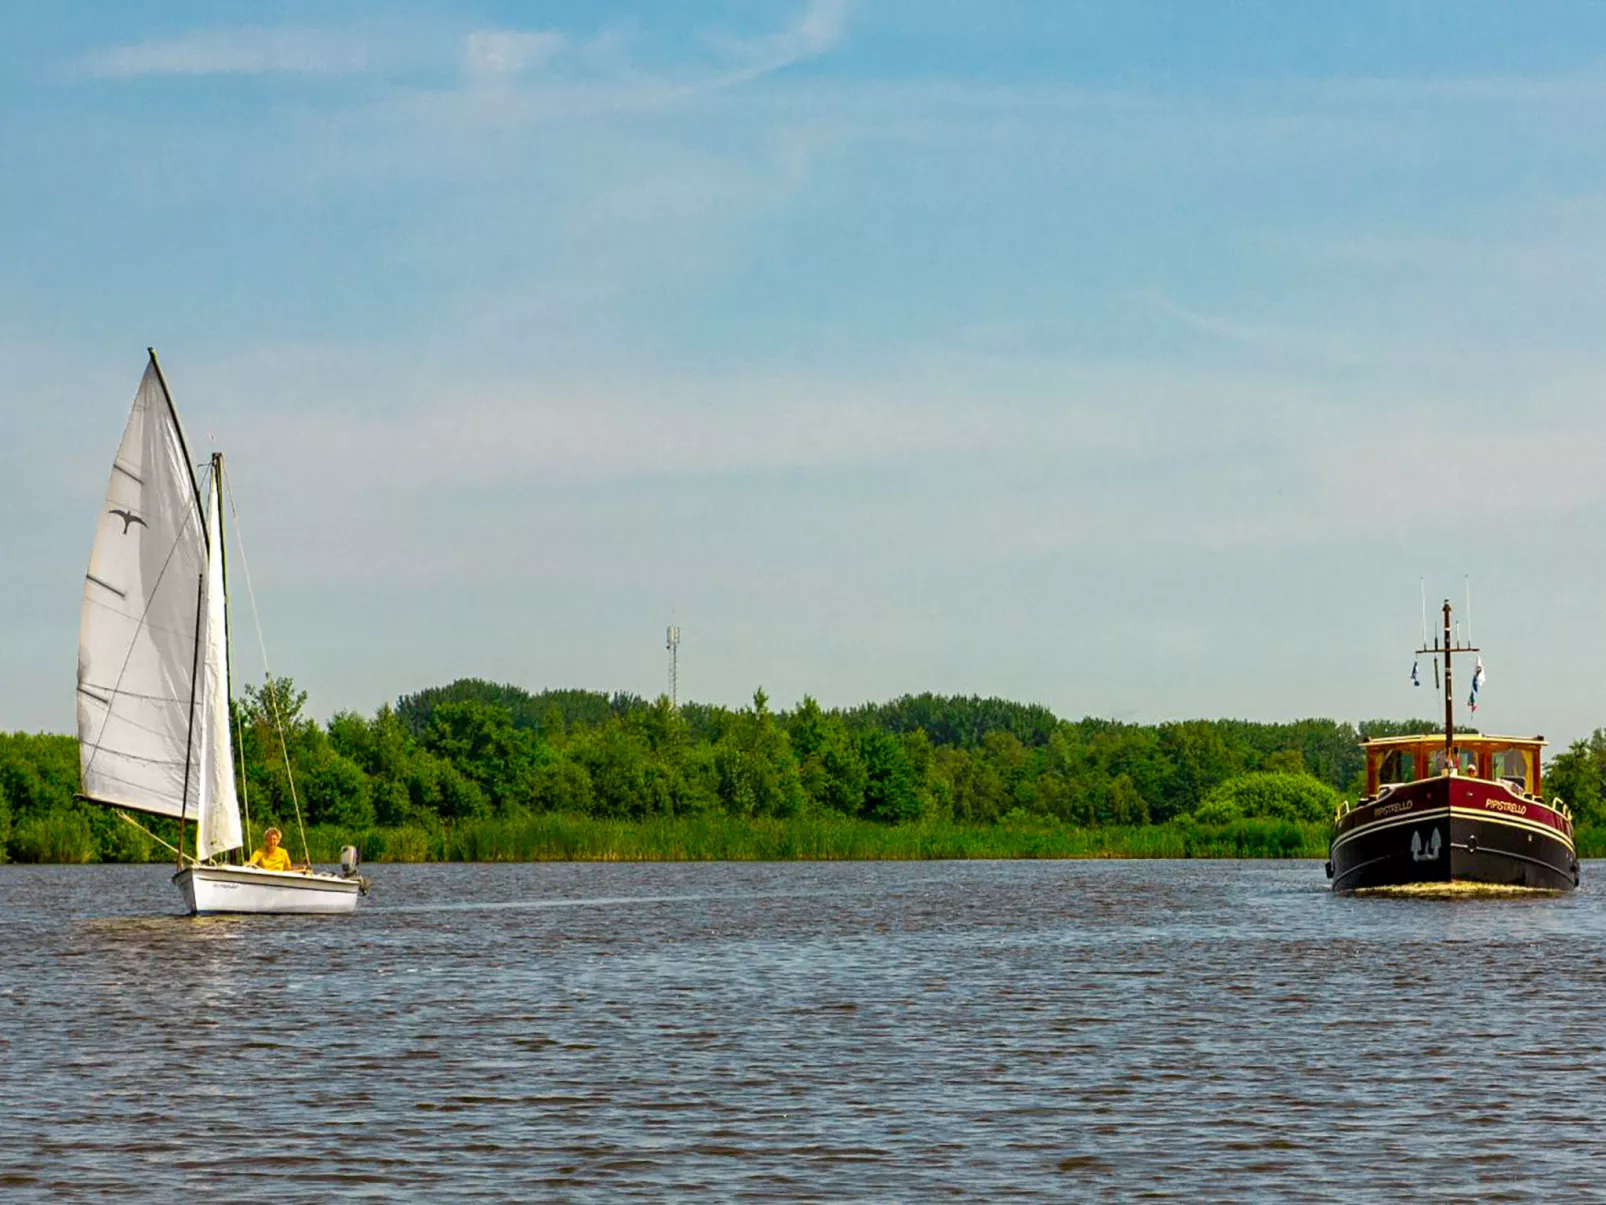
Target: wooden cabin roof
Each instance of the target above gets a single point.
(1463, 739)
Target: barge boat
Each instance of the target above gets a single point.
(1452, 808)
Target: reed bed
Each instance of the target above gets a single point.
(71, 837)
(61, 837)
(712, 837)
(718, 838)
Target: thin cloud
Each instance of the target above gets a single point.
(1332, 347)
(498, 57)
(820, 29)
(246, 50)
(1233, 332)
(509, 51)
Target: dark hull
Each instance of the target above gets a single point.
(1450, 829)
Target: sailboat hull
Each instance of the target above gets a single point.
(209, 890)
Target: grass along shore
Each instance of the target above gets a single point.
(551, 837)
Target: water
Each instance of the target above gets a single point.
(884, 1031)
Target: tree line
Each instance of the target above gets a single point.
(476, 750)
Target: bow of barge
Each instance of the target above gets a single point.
(1454, 808)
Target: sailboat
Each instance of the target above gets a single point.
(153, 671)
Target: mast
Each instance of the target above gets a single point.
(1446, 647)
(1449, 695)
(228, 667)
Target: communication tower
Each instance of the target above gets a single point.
(672, 636)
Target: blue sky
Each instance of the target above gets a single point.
(1135, 359)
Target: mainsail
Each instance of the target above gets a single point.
(152, 676)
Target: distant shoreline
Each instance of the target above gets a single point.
(551, 837)
(714, 837)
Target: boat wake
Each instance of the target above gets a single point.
(1454, 891)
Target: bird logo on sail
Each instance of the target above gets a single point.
(128, 517)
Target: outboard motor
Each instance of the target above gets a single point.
(348, 867)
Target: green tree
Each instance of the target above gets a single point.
(889, 790)
(620, 767)
(1126, 803)
(481, 742)
(389, 758)
(38, 774)
(1199, 758)
(974, 786)
(564, 785)
(550, 712)
(1578, 777)
(831, 764)
(755, 769)
(334, 790)
(1284, 761)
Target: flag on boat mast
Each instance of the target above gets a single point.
(1415, 679)
(1477, 685)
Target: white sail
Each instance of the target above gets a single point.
(218, 823)
(137, 642)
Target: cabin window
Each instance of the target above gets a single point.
(1466, 761)
(1398, 765)
(1510, 764)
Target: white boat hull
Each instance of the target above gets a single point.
(213, 889)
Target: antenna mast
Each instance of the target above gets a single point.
(1448, 648)
(672, 643)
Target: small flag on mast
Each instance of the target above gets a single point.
(1477, 684)
(1415, 680)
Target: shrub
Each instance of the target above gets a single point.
(1297, 797)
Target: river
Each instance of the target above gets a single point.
(890, 1031)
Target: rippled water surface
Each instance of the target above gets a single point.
(886, 1031)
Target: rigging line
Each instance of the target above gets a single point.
(245, 785)
(273, 696)
(125, 816)
(139, 783)
(129, 615)
(133, 640)
(141, 696)
(124, 755)
(138, 786)
(129, 722)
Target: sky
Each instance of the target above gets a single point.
(1139, 359)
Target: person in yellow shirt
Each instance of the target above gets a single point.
(271, 856)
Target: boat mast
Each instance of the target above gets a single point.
(228, 667)
(1447, 648)
(1449, 694)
